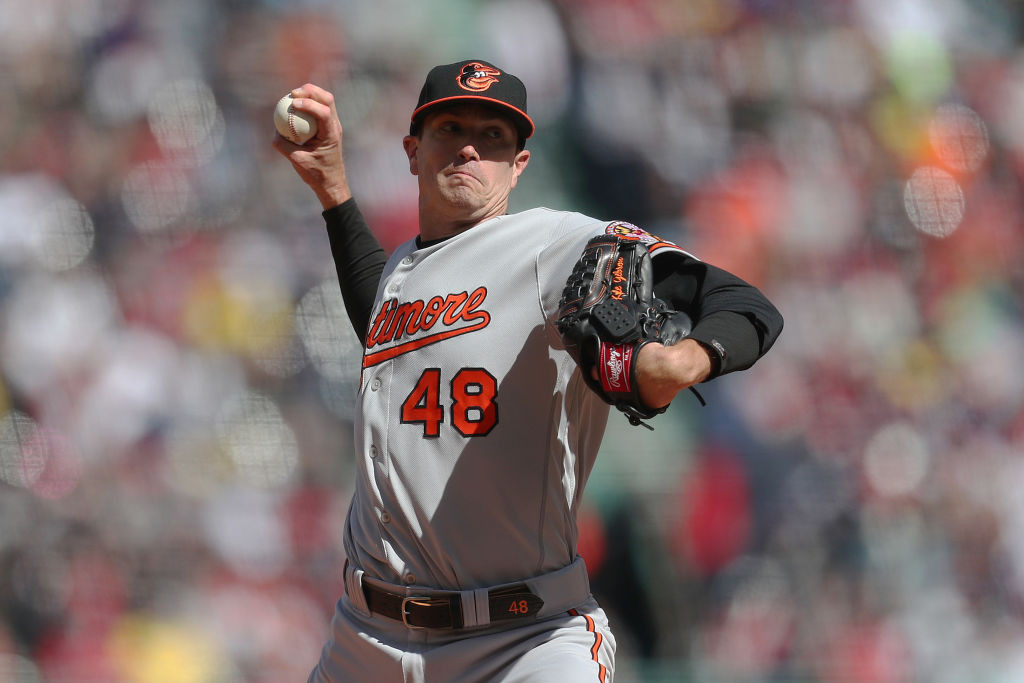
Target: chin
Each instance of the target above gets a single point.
(464, 199)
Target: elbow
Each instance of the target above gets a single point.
(769, 326)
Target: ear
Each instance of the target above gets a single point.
(411, 144)
(519, 163)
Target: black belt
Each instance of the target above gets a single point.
(445, 611)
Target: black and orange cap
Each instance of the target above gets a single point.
(475, 80)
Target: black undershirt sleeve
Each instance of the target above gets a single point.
(732, 319)
(359, 260)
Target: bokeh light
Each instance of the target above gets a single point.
(934, 201)
(51, 464)
(65, 235)
(243, 528)
(17, 432)
(184, 115)
(326, 334)
(53, 328)
(960, 137)
(157, 195)
(896, 460)
(261, 445)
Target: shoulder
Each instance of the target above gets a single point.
(550, 226)
(551, 218)
(655, 244)
(553, 226)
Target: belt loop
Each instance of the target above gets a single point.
(476, 609)
(482, 602)
(354, 588)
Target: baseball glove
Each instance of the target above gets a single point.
(608, 312)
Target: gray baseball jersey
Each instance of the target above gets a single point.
(475, 436)
(476, 433)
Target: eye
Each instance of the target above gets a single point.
(497, 134)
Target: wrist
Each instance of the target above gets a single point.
(695, 364)
(664, 371)
(336, 195)
(716, 356)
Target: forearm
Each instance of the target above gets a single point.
(359, 260)
(735, 322)
(734, 325)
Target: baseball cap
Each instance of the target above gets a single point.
(474, 80)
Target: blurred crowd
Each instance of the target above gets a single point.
(177, 372)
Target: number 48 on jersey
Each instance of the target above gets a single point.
(473, 402)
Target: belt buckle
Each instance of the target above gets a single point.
(416, 600)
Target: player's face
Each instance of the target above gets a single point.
(466, 162)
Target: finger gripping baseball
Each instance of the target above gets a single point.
(608, 313)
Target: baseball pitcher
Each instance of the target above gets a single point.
(495, 345)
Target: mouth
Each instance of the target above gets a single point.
(461, 174)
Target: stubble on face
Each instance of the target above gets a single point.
(460, 185)
(467, 162)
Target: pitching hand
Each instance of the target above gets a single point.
(318, 162)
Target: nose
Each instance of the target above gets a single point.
(468, 152)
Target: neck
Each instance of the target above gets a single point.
(435, 227)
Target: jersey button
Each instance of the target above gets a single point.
(385, 517)
(375, 384)
(373, 451)
(407, 261)
(410, 579)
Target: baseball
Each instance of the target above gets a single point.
(293, 125)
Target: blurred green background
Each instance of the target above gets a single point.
(177, 372)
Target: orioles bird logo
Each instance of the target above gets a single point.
(477, 77)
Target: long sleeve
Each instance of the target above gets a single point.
(731, 317)
(359, 260)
